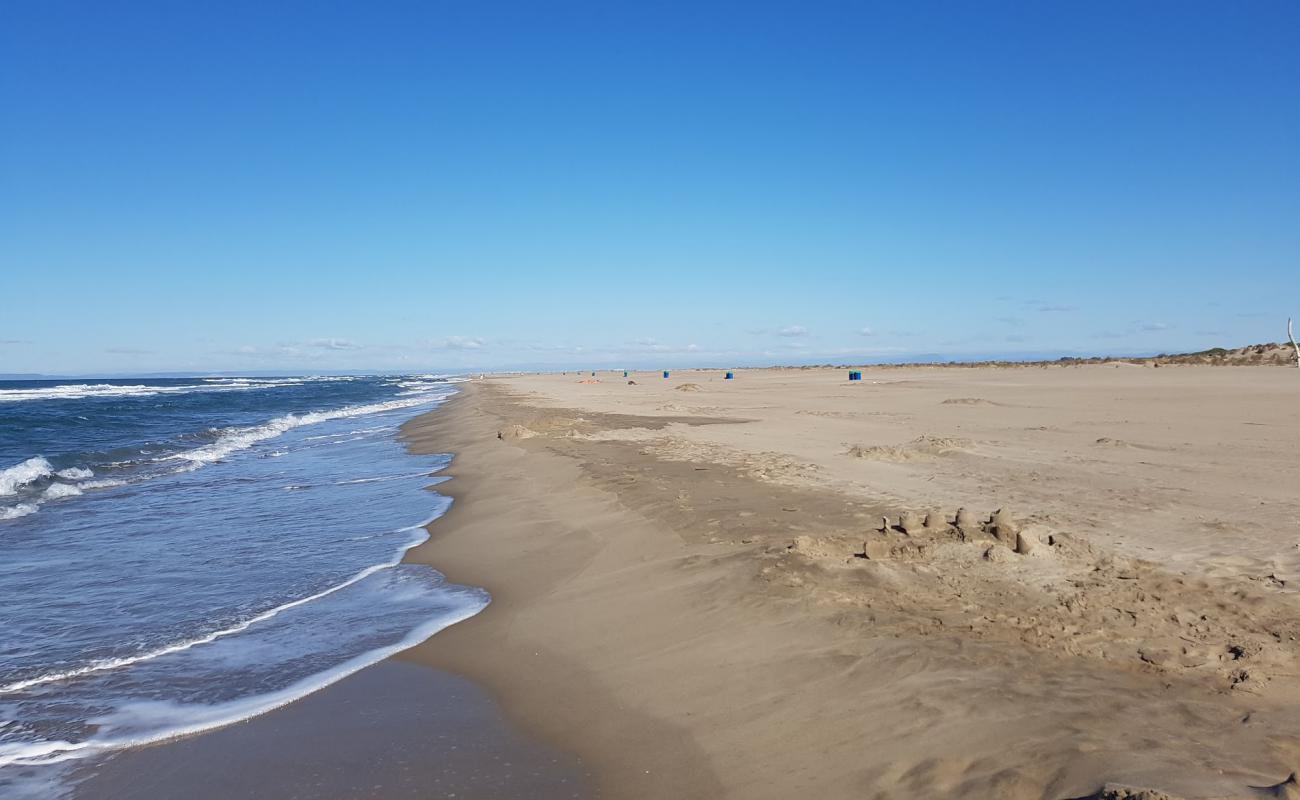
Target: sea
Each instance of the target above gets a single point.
(180, 554)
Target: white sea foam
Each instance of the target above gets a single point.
(383, 478)
(102, 483)
(80, 391)
(20, 476)
(176, 647)
(171, 720)
(33, 469)
(235, 439)
(77, 391)
(423, 383)
(57, 490)
(16, 511)
(257, 381)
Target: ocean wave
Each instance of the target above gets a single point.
(81, 391)
(78, 391)
(102, 483)
(57, 490)
(256, 381)
(170, 720)
(177, 647)
(19, 475)
(376, 479)
(16, 511)
(423, 383)
(27, 478)
(30, 473)
(294, 380)
(232, 440)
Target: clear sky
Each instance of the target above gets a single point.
(446, 185)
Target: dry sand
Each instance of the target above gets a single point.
(681, 595)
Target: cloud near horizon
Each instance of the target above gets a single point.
(459, 343)
(334, 344)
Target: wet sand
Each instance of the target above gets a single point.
(394, 731)
(693, 593)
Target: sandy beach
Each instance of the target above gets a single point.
(694, 591)
(308, 488)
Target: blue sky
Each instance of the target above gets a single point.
(335, 186)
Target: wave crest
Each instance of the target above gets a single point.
(19, 475)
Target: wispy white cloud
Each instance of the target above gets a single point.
(274, 352)
(459, 343)
(866, 332)
(791, 331)
(334, 344)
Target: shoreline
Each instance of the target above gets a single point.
(558, 701)
(422, 728)
(392, 730)
(691, 623)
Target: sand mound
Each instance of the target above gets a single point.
(1012, 580)
(921, 448)
(816, 547)
(688, 387)
(877, 452)
(940, 444)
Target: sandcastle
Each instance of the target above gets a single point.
(967, 522)
(1001, 525)
(910, 523)
(1004, 528)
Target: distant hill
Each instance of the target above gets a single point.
(1254, 355)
